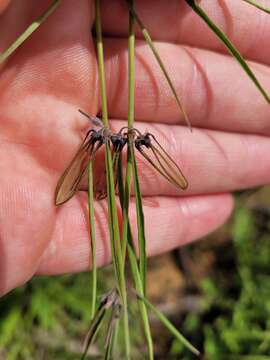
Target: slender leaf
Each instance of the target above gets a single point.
(169, 326)
(160, 62)
(140, 290)
(236, 54)
(131, 89)
(29, 31)
(257, 5)
(131, 66)
(130, 158)
(100, 55)
(92, 238)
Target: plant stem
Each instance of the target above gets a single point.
(112, 209)
(100, 55)
(160, 62)
(131, 91)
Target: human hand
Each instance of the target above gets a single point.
(54, 73)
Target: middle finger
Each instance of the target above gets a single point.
(216, 93)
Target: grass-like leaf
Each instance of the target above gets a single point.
(92, 238)
(29, 31)
(131, 89)
(257, 5)
(169, 325)
(101, 66)
(140, 290)
(236, 54)
(160, 62)
(139, 277)
(112, 208)
(131, 163)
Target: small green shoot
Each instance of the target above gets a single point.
(140, 290)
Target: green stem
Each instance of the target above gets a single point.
(100, 55)
(113, 219)
(160, 62)
(29, 31)
(131, 90)
(169, 325)
(131, 69)
(131, 165)
(140, 290)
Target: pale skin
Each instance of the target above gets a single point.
(55, 72)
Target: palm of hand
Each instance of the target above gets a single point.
(52, 75)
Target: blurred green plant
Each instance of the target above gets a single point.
(48, 316)
(234, 317)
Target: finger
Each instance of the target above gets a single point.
(47, 79)
(57, 61)
(169, 222)
(27, 217)
(215, 92)
(212, 161)
(175, 22)
(3, 5)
